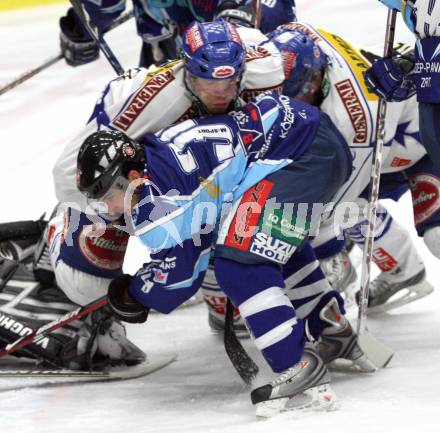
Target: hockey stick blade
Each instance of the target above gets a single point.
(378, 353)
(48, 378)
(38, 336)
(242, 362)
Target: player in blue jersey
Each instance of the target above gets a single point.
(161, 24)
(398, 77)
(248, 183)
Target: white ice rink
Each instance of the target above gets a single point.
(200, 392)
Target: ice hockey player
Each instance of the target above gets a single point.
(237, 169)
(161, 25)
(394, 78)
(328, 73)
(95, 343)
(133, 103)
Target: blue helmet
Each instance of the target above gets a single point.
(302, 58)
(213, 50)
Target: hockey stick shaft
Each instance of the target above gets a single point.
(257, 12)
(39, 334)
(51, 61)
(373, 196)
(97, 37)
(242, 362)
(29, 74)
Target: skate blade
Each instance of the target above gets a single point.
(318, 399)
(399, 299)
(376, 353)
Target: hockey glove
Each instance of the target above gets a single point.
(232, 12)
(76, 45)
(391, 79)
(121, 304)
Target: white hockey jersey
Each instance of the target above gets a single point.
(148, 100)
(353, 109)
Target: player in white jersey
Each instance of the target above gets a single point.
(338, 88)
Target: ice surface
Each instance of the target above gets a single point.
(200, 392)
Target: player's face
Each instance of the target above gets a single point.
(216, 95)
(114, 200)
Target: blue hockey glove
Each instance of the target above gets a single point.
(76, 45)
(391, 79)
(121, 304)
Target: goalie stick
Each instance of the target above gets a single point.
(242, 362)
(38, 378)
(52, 60)
(38, 336)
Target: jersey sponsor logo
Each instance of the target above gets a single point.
(400, 162)
(245, 220)
(358, 64)
(106, 251)
(272, 248)
(301, 27)
(223, 71)
(289, 62)
(354, 108)
(289, 117)
(285, 226)
(425, 191)
(194, 38)
(141, 99)
(256, 53)
(19, 329)
(234, 34)
(384, 260)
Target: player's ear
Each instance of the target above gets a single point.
(133, 175)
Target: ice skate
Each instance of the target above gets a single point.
(339, 342)
(339, 271)
(386, 295)
(304, 386)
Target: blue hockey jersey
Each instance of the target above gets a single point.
(195, 171)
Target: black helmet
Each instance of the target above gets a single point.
(104, 157)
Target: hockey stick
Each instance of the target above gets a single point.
(373, 195)
(52, 60)
(242, 362)
(39, 336)
(96, 36)
(256, 4)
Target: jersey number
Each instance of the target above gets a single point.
(219, 136)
